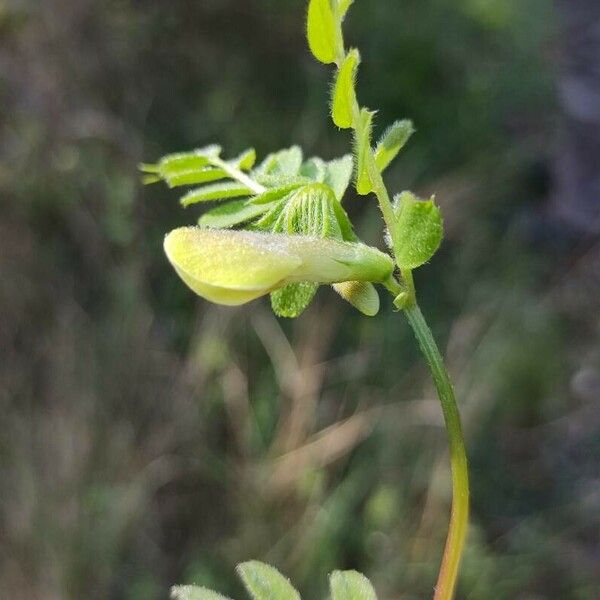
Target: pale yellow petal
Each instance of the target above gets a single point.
(361, 294)
(234, 267)
(229, 267)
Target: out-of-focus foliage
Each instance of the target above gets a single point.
(149, 439)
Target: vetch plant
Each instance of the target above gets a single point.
(280, 229)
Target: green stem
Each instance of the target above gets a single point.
(460, 477)
(409, 283)
(459, 518)
(385, 203)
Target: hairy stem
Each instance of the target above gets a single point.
(385, 204)
(458, 459)
(238, 175)
(459, 518)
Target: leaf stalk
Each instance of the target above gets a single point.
(238, 175)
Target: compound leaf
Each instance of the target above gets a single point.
(264, 582)
(350, 585)
(419, 230)
(391, 142)
(321, 30)
(344, 93)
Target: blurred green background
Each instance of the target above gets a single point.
(148, 438)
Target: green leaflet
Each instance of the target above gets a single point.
(245, 161)
(194, 177)
(315, 169)
(344, 93)
(192, 592)
(321, 30)
(185, 161)
(419, 230)
(350, 585)
(264, 582)
(391, 142)
(362, 147)
(217, 191)
(283, 163)
(338, 175)
(231, 214)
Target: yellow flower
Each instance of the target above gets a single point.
(234, 267)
